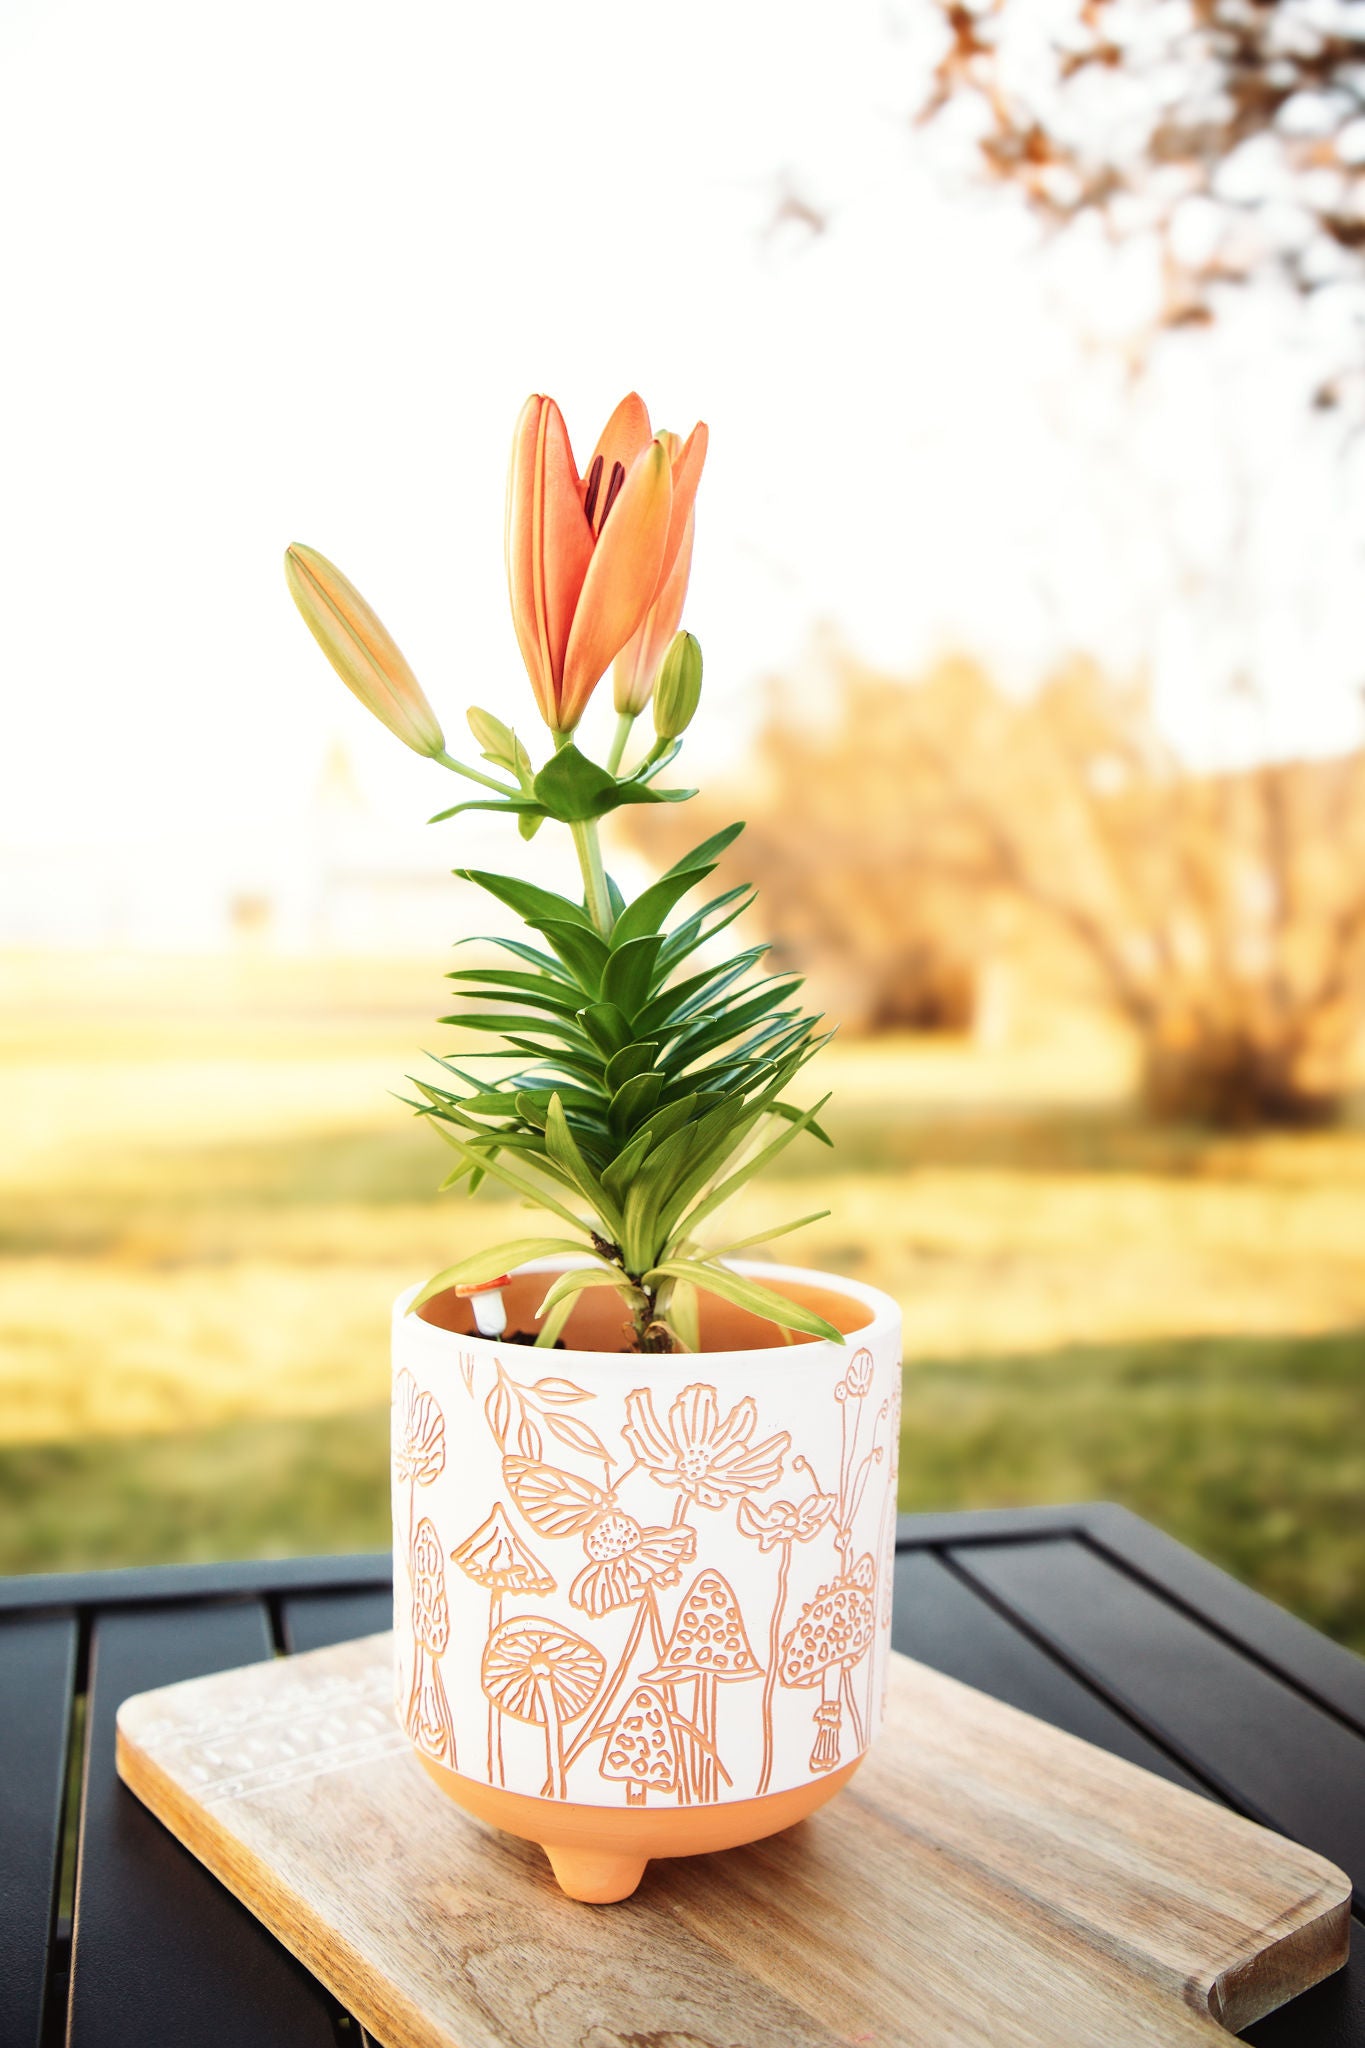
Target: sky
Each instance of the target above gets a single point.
(288, 270)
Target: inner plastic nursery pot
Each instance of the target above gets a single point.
(642, 1604)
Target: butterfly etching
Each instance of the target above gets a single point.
(554, 1502)
(625, 1557)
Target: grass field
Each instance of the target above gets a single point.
(207, 1204)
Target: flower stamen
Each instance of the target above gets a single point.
(618, 477)
(594, 486)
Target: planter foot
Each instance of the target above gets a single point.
(595, 1875)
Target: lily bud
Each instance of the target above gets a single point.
(497, 742)
(361, 649)
(678, 690)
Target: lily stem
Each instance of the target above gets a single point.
(474, 775)
(618, 745)
(595, 892)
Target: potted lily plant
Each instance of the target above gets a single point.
(643, 1488)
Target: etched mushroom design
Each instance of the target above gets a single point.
(428, 1718)
(828, 1637)
(495, 1557)
(538, 1672)
(708, 1644)
(642, 1748)
(419, 1442)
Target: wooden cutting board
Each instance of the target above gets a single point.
(985, 1882)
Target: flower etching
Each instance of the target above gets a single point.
(854, 1471)
(536, 1671)
(705, 1459)
(495, 1557)
(858, 1378)
(626, 1560)
(778, 1527)
(428, 1712)
(830, 1634)
(709, 1646)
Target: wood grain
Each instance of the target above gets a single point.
(984, 1880)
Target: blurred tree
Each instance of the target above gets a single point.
(834, 842)
(1229, 132)
(1222, 916)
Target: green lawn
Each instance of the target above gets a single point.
(205, 1213)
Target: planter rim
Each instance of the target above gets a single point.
(885, 1317)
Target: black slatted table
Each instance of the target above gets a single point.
(112, 1936)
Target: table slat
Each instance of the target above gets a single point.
(314, 1621)
(1311, 1661)
(162, 1954)
(37, 1684)
(139, 1585)
(1274, 1754)
(944, 1622)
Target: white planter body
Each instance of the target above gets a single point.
(645, 1581)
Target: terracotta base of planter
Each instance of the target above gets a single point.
(598, 1853)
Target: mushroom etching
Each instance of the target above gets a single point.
(627, 1563)
(420, 1440)
(538, 1672)
(495, 1557)
(428, 1713)
(709, 1645)
(419, 1456)
(642, 1748)
(831, 1633)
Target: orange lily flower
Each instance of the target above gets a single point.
(587, 556)
(637, 665)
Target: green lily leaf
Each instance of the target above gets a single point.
(570, 1284)
(520, 807)
(745, 1293)
(742, 1244)
(574, 789)
(491, 1264)
(534, 904)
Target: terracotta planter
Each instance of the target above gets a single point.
(642, 1604)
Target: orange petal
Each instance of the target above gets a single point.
(361, 649)
(637, 666)
(625, 436)
(687, 467)
(549, 547)
(619, 586)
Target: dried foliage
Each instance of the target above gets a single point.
(1231, 130)
(836, 833)
(1222, 916)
